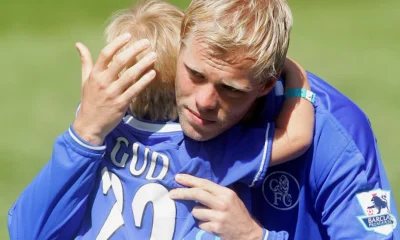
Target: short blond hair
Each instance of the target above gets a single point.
(159, 22)
(234, 30)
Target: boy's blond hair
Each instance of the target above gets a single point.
(234, 30)
(159, 22)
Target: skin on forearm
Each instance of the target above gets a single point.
(257, 233)
(89, 135)
(295, 123)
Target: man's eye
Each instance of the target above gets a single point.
(196, 74)
(231, 89)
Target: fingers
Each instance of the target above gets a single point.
(138, 87)
(86, 60)
(108, 52)
(208, 227)
(203, 214)
(135, 72)
(194, 182)
(196, 194)
(127, 56)
(209, 220)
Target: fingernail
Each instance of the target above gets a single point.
(178, 177)
(152, 56)
(78, 45)
(152, 73)
(126, 36)
(145, 42)
(172, 193)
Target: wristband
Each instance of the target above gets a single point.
(301, 93)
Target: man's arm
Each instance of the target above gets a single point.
(53, 205)
(354, 198)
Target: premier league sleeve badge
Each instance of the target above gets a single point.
(376, 207)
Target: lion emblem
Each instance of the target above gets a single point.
(379, 203)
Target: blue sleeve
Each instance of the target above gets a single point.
(242, 154)
(354, 198)
(58, 195)
(198, 234)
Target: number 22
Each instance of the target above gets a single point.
(164, 208)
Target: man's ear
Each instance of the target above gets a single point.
(267, 87)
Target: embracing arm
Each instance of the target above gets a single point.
(54, 204)
(58, 196)
(295, 122)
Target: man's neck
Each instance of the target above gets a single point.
(254, 111)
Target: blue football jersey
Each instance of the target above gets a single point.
(338, 189)
(120, 190)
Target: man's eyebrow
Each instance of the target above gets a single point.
(233, 83)
(194, 69)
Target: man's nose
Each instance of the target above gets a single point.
(206, 97)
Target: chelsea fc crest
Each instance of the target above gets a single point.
(376, 207)
(281, 190)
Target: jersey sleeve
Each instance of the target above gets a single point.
(243, 154)
(53, 205)
(354, 198)
(199, 234)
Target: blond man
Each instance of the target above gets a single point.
(160, 23)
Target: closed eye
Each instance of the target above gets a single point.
(231, 89)
(195, 74)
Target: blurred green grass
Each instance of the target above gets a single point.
(352, 44)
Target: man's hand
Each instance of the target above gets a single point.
(106, 95)
(223, 213)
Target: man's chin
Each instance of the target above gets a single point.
(197, 134)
